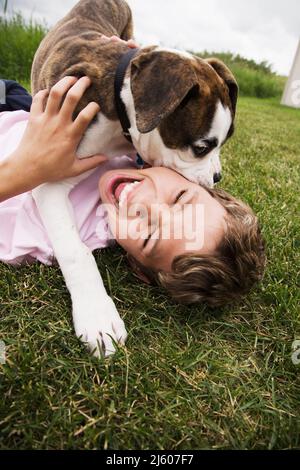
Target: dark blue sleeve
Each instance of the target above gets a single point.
(13, 96)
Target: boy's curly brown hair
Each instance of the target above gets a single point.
(226, 275)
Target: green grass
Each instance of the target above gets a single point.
(189, 378)
(254, 79)
(19, 39)
(258, 84)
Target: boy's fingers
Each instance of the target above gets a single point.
(115, 39)
(39, 102)
(86, 164)
(57, 93)
(84, 118)
(132, 44)
(73, 97)
(105, 38)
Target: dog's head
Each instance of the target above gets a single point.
(182, 111)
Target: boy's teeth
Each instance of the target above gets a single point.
(128, 188)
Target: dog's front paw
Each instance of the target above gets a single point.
(99, 325)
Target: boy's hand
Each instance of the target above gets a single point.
(131, 43)
(47, 151)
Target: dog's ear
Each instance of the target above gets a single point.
(224, 72)
(160, 81)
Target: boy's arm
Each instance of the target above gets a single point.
(47, 151)
(13, 179)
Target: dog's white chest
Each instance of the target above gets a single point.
(104, 137)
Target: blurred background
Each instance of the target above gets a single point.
(257, 40)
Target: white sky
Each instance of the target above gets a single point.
(257, 29)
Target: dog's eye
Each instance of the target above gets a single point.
(200, 151)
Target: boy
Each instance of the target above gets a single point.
(217, 265)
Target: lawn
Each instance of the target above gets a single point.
(189, 378)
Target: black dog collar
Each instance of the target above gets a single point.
(119, 79)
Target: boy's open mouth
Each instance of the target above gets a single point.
(121, 187)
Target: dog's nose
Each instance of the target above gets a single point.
(217, 178)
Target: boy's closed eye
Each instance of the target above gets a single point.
(153, 236)
(179, 196)
(147, 238)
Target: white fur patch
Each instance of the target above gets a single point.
(104, 137)
(183, 54)
(221, 123)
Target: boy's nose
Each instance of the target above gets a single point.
(217, 178)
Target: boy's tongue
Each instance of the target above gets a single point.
(119, 189)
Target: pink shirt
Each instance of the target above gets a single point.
(23, 237)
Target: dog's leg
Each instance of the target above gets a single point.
(95, 316)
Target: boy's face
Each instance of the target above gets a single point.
(156, 215)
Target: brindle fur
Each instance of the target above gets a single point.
(74, 47)
(175, 94)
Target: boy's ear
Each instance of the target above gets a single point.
(138, 271)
